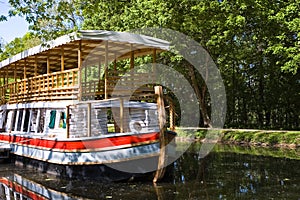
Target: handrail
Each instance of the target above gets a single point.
(64, 85)
(57, 85)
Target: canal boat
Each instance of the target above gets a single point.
(60, 114)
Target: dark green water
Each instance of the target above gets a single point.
(226, 173)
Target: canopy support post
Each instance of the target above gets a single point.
(131, 57)
(106, 71)
(79, 71)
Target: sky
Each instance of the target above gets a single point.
(13, 27)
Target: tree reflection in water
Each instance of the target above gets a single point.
(229, 172)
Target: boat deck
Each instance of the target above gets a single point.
(65, 86)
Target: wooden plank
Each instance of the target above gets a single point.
(121, 115)
(35, 66)
(79, 70)
(106, 71)
(131, 56)
(68, 121)
(62, 64)
(62, 59)
(172, 115)
(162, 138)
(24, 80)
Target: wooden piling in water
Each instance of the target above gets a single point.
(162, 139)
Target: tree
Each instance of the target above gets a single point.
(254, 43)
(48, 18)
(18, 45)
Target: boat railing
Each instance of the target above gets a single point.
(120, 86)
(54, 86)
(65, 86)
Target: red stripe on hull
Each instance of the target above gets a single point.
(80, 144)
(20, 189)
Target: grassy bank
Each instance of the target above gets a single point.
(289, 139)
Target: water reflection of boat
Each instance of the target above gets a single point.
(18, 187)
(55, 110)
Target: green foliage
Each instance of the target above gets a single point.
(267, 137)
(18, 45)
(272, 152)
(254, 43)
(49, 18)
(199, 134)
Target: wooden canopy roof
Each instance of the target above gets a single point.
(67, 50)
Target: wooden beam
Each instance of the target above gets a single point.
(24, 81)
(35, 66)
(48, 71)
(48, 64)
(6, 75)
(106, 71)
(131, 56)
(1, 78)
(172, 115)
(62, 66)
(162, 137)
(154, 60)
(85, 73)
(79, 55)
(115, 63)
(99, 69)
(15, 72)
(121, 115)
(24, 72)
(62, 59)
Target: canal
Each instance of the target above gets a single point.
(228, 172)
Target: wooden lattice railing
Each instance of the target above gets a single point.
(131, 85)
(65, 86)
(47, 87)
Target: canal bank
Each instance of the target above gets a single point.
(245, 137)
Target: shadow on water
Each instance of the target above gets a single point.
(229, 172)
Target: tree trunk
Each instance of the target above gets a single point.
(200, 94)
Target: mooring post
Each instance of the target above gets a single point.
(172, 116)
(162, 138)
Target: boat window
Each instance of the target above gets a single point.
(62, 120)
(100, 115)
(19, 120)
(3, 118)
(26, 121)
(111, 128)
(42, 121)
(14, 113)
(33, 124)
(52, 119)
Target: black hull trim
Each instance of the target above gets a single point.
(101, 172)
